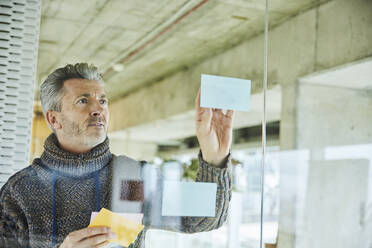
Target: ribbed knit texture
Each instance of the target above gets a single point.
(26, 199)
(75, 165)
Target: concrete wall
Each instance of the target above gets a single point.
(333, 34)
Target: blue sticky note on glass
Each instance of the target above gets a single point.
(225, 93)
(189, 199)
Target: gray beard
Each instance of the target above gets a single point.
(76, 132)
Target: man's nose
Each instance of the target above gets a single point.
(97, 110)
(96, 113)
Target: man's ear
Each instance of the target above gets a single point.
(52, 119)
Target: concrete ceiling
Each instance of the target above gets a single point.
(148, 40)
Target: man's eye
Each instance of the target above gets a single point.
(83, 100)
(103, 101)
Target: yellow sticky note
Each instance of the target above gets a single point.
(125, 229)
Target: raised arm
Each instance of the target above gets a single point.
(214, 132)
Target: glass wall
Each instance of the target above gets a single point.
(316, 184)
(317, 187)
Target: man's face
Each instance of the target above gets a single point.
(84, 116)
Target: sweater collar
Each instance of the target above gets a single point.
(57, 159)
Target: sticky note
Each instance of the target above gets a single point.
(225, 93)
(189, 199)
(137, 218)
(125, 229)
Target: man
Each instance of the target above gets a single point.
(49, 203)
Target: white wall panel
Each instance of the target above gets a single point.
(19, 35)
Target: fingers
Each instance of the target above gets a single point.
(221, 113)
(230, 113)
(103, 245)
(88, 232)
(203, 120)
(89, 237)
(203, 116)
(197, 101)
(97, 240)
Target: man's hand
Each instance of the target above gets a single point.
(88, 237)
(214, 132)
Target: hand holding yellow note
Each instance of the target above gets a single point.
(125, 229)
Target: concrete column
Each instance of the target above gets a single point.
(336, 189)
(315, 117)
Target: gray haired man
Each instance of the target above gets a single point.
(49, 203)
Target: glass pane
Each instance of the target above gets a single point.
(322, 172)
(151, 54)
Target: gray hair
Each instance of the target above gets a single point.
(51, 90)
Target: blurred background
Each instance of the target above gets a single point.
(317, 190)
